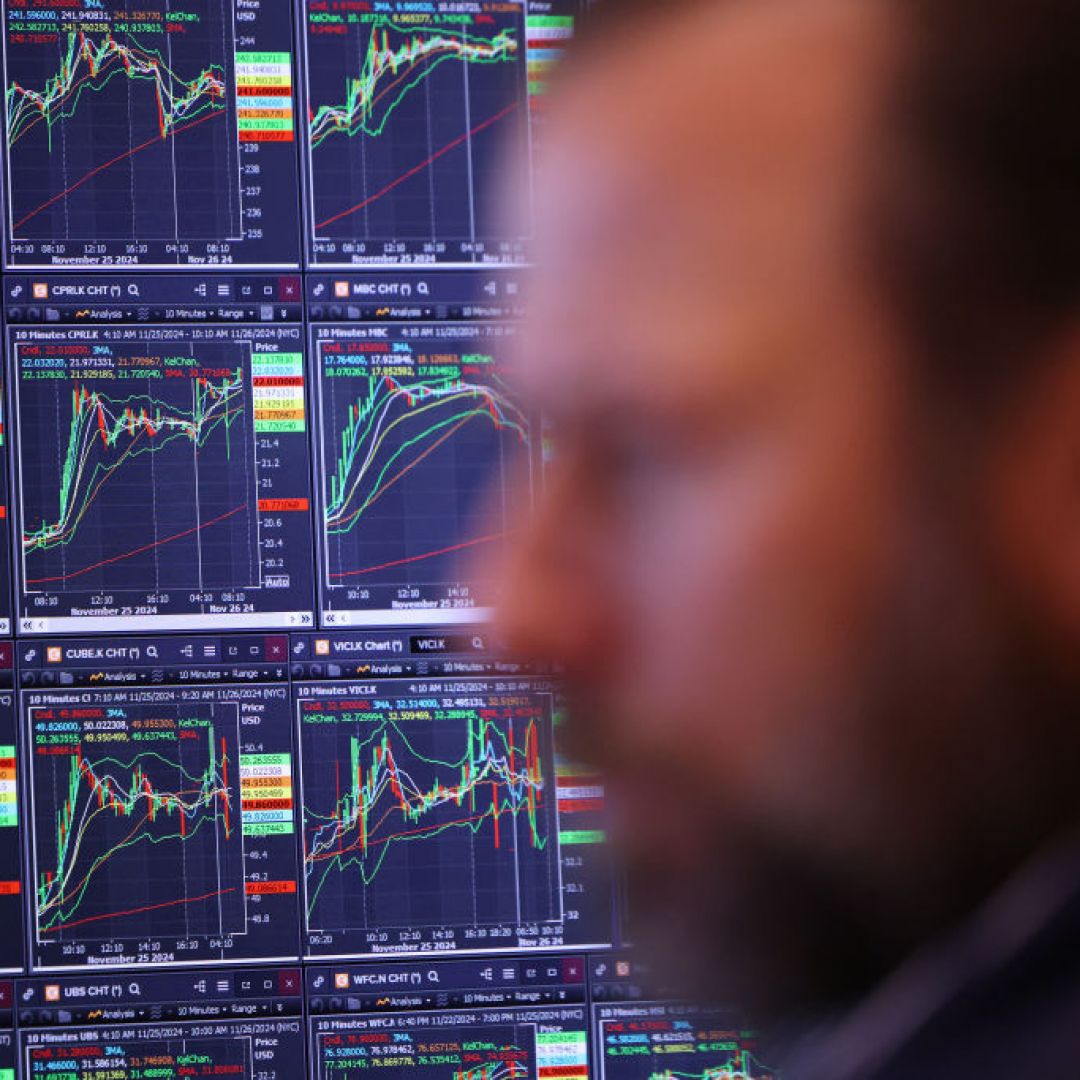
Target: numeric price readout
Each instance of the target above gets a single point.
(550, 26)
(408, 111)
(150, 134)
(162, 477)
(162, 816)
(422, 453)
(436, 816)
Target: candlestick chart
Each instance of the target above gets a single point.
(406, 113)
(421, 440)
(441, 814)
(125, 128)
(137, 822)
(488, 1051)
(159, 439)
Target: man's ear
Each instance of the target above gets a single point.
(1034, 490)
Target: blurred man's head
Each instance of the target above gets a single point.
(809, 549)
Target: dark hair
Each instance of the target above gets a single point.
(976, 223)
(982, 234)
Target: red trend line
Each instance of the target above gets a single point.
(419, 168)
(418, 558)
(138, 910)
(120, 157)
(138, 550)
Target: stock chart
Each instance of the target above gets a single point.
(162, 826)
(169, 476)
(423, 451)
(191, 439)
(673, 1042)
(149, 132)
(446, 824)
(408, 111)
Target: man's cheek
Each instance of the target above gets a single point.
(657, 817)
(672, 550)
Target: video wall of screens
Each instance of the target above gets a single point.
(264, 133)
(207, 800)
(274, 803)
(313, 854)
(211, 451)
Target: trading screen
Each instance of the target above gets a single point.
(153, 133)
(409, 111)
(638, 1035)
(160, 801)
(451, 823)
(273, 802)
(162, 459)
(422, 451)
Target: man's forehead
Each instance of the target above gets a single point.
(680, 197)
(751, 85)
(662, 360)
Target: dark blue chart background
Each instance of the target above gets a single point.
(157, 524)
(129, 883)
(213, 554)
(412, 181)
(429, 481)
(136, 156)
(445, 876)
